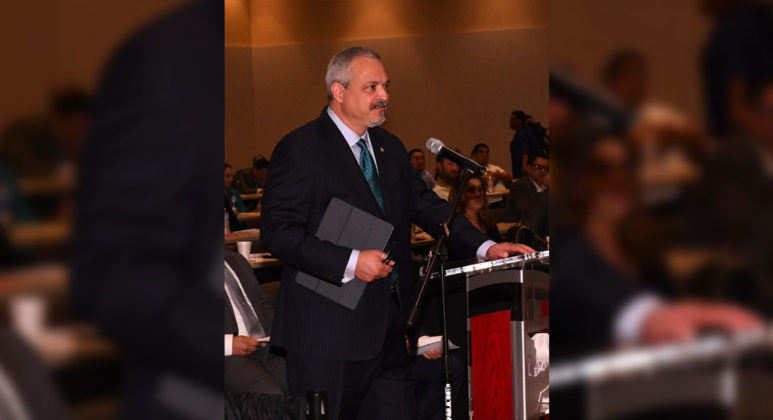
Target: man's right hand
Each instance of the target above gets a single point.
(682, 321)
(243, 345)
(369, 266)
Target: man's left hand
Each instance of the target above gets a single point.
(504, 249)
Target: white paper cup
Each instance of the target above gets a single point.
(28, 315)
(244, 248)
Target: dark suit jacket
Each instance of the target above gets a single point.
(309, 167)
(147, 271)
(255, 294)
(588, 294)
(526, 205)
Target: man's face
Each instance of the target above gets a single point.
(481, 155)
(448, 171)
(417, 161)
(229, 176)
(364, 102)
(538, 170)
(515, 123)
(261, 174)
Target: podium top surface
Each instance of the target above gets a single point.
(516, 261)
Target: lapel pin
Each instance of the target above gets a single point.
(381, 149)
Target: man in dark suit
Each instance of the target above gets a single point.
(527, 202)
(357, 356)
(249, 366)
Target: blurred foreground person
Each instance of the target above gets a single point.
(734, 202)
(737, 50)
(601, 278)
(147, 271)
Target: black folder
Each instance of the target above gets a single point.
(346, 225)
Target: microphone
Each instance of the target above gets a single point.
(438, 148)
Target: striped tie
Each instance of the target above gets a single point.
(369, 170)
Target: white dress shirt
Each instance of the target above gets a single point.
(242, 329)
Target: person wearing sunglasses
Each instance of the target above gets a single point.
(527, 202)
(474, 207)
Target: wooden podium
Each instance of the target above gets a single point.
(507, 304)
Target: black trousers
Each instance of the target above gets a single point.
(380, 388)
(430, 386)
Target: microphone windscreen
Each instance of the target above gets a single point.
(434, 145)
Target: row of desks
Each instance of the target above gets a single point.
(252, 218)
(264, 260)
(259, 196)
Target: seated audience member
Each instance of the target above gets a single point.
(250, 180)
(527, 203)
(249, 364)
(231, 193)
(446, 176)
(416, 157)
(502, 179)
(233, 221)
(474, 207)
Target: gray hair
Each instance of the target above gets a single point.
(338, 68)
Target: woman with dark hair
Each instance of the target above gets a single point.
(474, 207)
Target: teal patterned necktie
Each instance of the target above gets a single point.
(369, 170)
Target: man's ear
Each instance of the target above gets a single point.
(337, 89)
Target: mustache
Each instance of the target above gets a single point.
(379, 104)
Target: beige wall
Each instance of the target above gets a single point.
(670, 34)
(49, 43)
(454, 79)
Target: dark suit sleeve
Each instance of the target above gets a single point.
(287, 209)
(429, 211)
(516, 201)
(536, 214)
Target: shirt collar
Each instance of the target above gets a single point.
(349, 135)
(539, 187)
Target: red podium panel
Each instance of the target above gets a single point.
(492, 373)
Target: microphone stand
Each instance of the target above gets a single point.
(439, 253)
